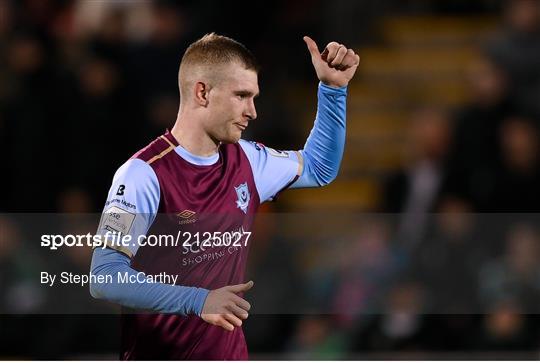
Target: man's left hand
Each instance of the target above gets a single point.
(336, 65)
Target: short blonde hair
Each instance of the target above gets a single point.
(209, 53)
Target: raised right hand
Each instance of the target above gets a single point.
(226, 309)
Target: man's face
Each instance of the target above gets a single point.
(231, 104)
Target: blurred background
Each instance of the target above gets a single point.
(443, 140)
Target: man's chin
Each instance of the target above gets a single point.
(231, 139)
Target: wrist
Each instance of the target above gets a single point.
(332, 89)
(333, 85)
(200, 299)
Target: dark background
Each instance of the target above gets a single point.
(443, 120)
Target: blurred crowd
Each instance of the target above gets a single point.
(85, 84)
(453, 265)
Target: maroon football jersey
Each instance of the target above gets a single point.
(164, 190)
(220, 197)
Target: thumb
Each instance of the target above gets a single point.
(312, 47)
(241, 287)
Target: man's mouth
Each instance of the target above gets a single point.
(241, 126)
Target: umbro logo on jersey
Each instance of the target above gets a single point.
(242, 192)
(186, 216)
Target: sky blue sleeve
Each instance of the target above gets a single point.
(324, 147)
(130, 210)
(131, 205)
(316, 165)
(155, 296)
(272, 169)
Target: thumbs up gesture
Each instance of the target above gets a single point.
(336, 65)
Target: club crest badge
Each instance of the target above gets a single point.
(242, 192)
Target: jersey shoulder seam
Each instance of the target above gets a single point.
(154, 151)
(164, 152)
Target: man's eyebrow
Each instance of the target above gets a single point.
(246, 93)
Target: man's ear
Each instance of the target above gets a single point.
(201, 93)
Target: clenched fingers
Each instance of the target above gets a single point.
(225, 324)
(350, 59)
(219, 320)
(239, 312)
(338, 60)
(331, 51)
(241, 303)
(233, 319)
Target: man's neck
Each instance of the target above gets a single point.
(193, 138)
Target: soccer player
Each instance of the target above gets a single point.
(204, 178)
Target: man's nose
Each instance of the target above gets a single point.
(251, 112)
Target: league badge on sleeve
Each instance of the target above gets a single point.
(242, 193)
(258, 146)
(277, 153)
(117, 220)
